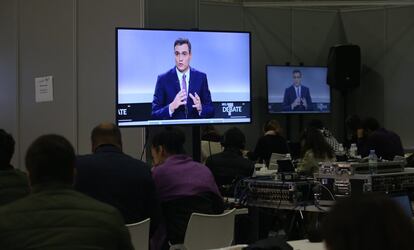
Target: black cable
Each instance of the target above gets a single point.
(146, 142)
(327, 189)
(292, 222)
(238, 185)
(281, 194)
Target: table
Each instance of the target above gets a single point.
(306, 245)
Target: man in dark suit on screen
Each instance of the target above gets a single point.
(297, 97)
(182, 92)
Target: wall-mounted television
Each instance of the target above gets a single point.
(176, 77)
(297, 89)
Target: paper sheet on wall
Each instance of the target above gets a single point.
(44, 89)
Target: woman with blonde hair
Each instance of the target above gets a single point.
(271, 142)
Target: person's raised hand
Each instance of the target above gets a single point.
(304, 103)
(180, 99)
(197, 101)
(295, 103)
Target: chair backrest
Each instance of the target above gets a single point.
(140, 234)
(207, 231)
(177, 213)
(209, 148)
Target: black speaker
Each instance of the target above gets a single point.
(344, 66)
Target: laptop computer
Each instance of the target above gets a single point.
(274, 158)
(285, 166)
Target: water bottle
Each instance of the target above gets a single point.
(372, 162)
(353, 150)
(341, 148)
(341, 154)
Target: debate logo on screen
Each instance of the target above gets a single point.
(122, 112)
(322, 107)
(230, 108)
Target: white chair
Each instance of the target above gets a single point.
(209, 148)
(208, 231)
(140, 234)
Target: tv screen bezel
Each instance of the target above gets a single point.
(295, 112)
(181, 124)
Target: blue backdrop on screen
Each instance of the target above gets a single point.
(313, 96)
(142, 55)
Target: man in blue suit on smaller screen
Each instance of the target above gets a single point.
(182, 92)
(297, 97)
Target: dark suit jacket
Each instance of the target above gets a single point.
(115, 178)
(266, 145)
(386, 144)
(290, 96)
(167, 88)
(228, 167)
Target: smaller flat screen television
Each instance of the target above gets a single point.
(177, 77)
(297, 89)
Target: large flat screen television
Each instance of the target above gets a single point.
(176, 77)
(297, 89)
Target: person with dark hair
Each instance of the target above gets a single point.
(210, 133)
(183, 185)
(271, 142)
(55, 216)
(354, 127)
(315, 149)
(210, 142)
(13, 182)
(297, 97)
(112, 177)
(182, 92)
(330, 139)
(386, 144)
(230, 166)
(367, 222)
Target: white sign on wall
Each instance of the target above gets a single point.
(44, 89)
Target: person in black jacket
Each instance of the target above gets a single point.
(54, 215)
(230, 166)
(14, 183)
(387, 144)
(271, 142)
(115, 178)
(367, 221)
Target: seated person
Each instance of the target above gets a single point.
(367, 222)
(330, 139)
(13, 182)
(54, 215)
(210, 133)
(315, 149)
(354, 127)
(210, 142)
(271, 142)
(230, 166)
(183, 185)
(386, 144)
(112, 177)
